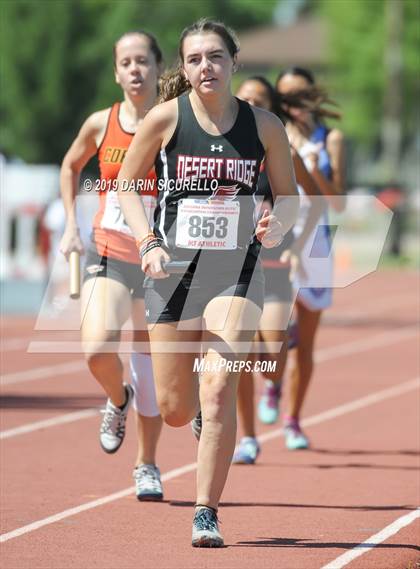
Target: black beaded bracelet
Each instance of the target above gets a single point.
(149, 242)
(151, 245)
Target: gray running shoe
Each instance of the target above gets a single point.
(148, 483)
(205, 530)
(113, 423)
(196, 425)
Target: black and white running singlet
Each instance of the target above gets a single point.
(207, 184)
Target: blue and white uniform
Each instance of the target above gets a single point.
(318, 244)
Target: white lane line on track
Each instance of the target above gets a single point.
(323, 355)
(336, 312)
(14, 344)
(91, 505)
(354, 314)
(43, 372)
(366, 344)
(349, 407)
(327, 415)
(379, 340)
(46, 423)
(373, 541)
(381, 302)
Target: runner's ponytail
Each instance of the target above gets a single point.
(173, 84)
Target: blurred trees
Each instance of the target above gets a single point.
(374, 52)
(56, 60)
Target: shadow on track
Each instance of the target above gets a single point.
(308, 543)
(11, 401)
(361, 508)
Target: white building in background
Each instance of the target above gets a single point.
(25, 192)
(28, 193)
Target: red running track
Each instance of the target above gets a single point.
(65, 503)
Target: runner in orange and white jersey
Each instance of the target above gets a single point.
(112, 236)
(113, 281)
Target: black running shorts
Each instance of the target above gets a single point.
(278, 287)
(129, 274)
(184, 297)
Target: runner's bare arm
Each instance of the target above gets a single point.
(303, 177)
(83, 148)
(334, 189)
(317, 205)
(152, 134)
(280, 173)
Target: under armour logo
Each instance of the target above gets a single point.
(219, 148)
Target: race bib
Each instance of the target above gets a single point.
(113, 217)
(204, 224)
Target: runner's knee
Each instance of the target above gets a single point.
(173, 409)
(217, 398)
(97, 351)
(175, 417)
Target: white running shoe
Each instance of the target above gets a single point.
(113, 423)
(247, 451)
(148, 483)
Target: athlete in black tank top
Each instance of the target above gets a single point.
(203, 137)
(201, 166)
(206, 215)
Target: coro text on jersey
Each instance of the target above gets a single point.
(114, 155)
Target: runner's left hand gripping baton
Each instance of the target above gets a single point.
(177, 267)
(74, 283)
